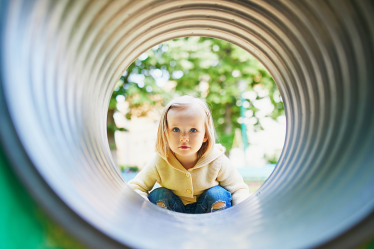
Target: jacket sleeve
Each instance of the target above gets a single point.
(229, 178)
(146, 179)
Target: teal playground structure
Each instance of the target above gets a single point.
(59, 62)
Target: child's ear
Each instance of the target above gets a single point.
(205, 138)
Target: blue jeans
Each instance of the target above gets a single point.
(203, 205)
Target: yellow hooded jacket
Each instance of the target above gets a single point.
(212, 170)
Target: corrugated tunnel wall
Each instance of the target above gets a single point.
(60, 61)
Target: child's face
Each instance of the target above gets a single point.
(186, 130)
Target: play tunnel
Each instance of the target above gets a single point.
(60, 61)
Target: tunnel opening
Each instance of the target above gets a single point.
(248, 110)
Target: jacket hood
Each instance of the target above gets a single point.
(217, 151)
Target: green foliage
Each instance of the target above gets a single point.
(113, 128)
(226, 140)
(271, 159)
(205, 67)
(127, 168)
(112, 146)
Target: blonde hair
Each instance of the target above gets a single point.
(162, 134)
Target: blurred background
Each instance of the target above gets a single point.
(246, 105)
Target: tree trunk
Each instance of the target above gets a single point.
(228, 122)
(110, 122)
(110, 134)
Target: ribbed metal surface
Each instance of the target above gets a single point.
(61, 59)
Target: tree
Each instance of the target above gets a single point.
(225, 75)
(111, 126)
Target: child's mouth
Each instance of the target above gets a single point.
(183, 147)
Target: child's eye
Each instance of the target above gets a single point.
(176, 129)
(193, 130)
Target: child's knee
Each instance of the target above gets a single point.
(219, 205)
(217, 193)
(161, 204)
(216, 190)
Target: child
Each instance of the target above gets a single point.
(195, 175)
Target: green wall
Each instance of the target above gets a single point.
(23, 224)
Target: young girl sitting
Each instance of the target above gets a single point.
(194, 174)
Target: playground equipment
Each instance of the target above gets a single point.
(60, 61)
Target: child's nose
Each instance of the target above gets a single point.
(184, 139)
